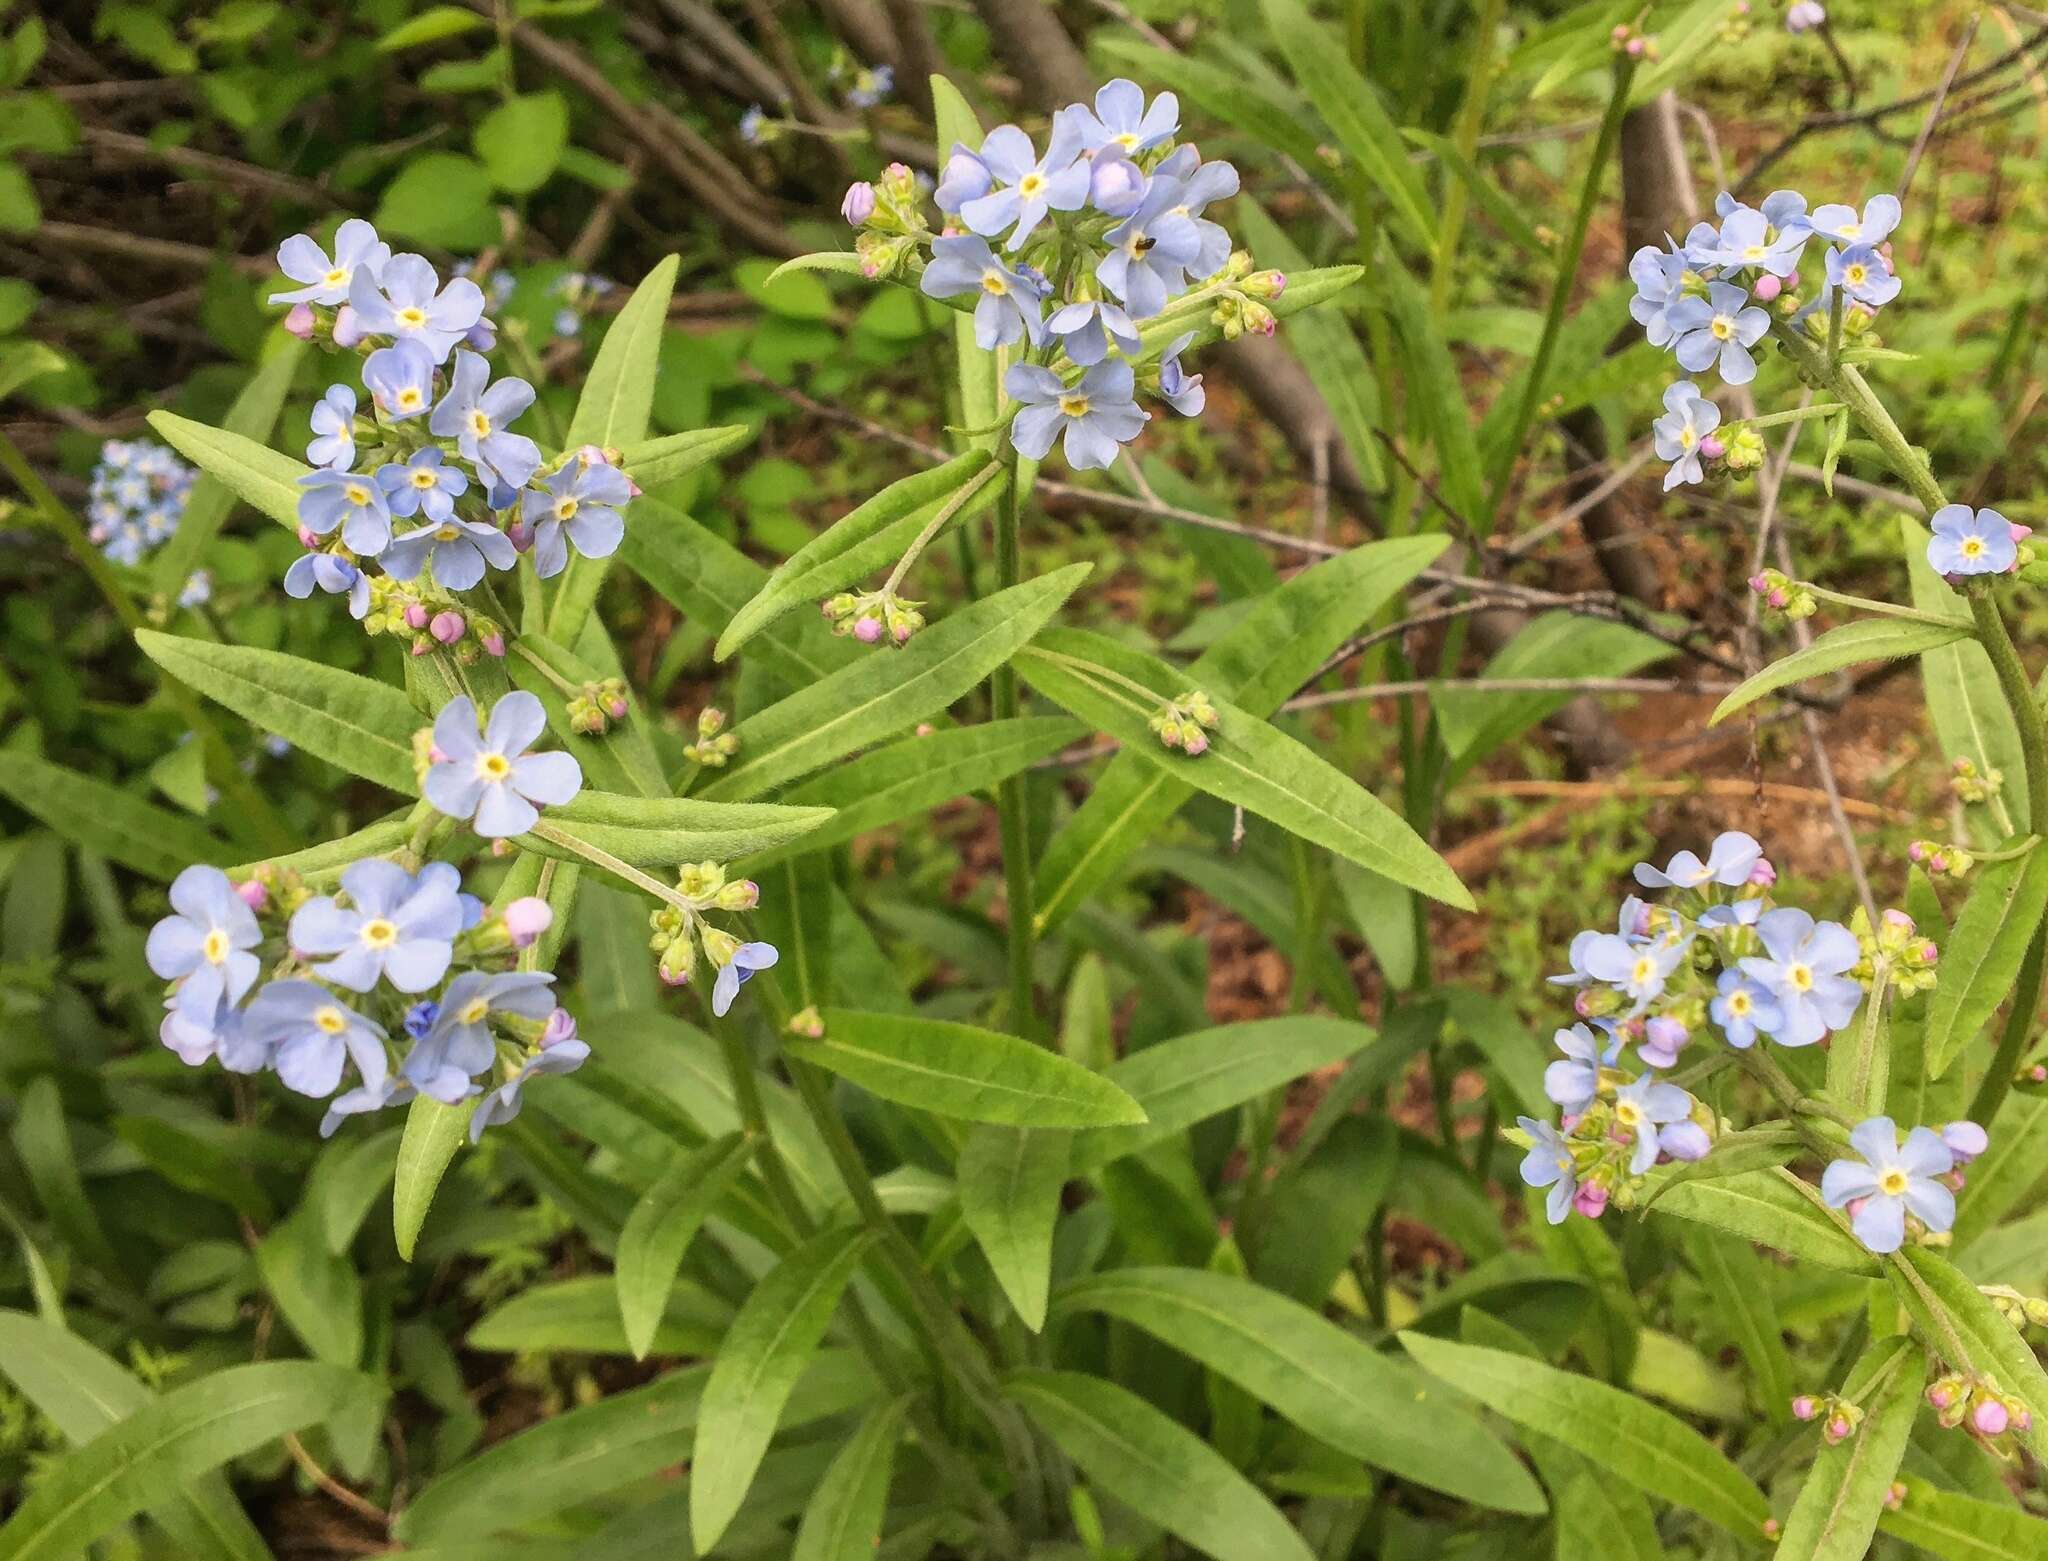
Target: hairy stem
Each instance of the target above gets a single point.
(1012, 802)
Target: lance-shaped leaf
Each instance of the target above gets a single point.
(960, 1071)
(433, 1132)
(1963, 1528)
(866, 538)
(1009, 1181)
(652, 462)
(118, 824)
(1981, 959)
(765, 1351)
(1276, 647)
(1738, 1284)
(1845, 1490)
(1650, 1449)
(353, 722)
(151, 1455)
(581, 1317)
(1867, 639)
(843, 1520)
(656, 832)
(321, 865)
(1768, 1206)
(1329, 1382)
(660, 1228)
(890, 690)
(1157, 1467)
(620, 759)
(1248, 762)
(255, 473)
(1957, 1318)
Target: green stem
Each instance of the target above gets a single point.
(1865, 604)
(939, 522)
(1465, 136)
(1561, 288)
(1795, 415)
(1012, 799)
(270, 825)
(2012, 1041)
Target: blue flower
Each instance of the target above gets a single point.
(460, 1045)
(406, 302)
(197, 590)
(1637, 970)
(1632, 927)
(1805, 15)
(396, 927)
(459, 549)
(871, 86)
(1549, 1164)
(1181, 390)
(196, 1035)
(391, 1091)
(1574, 1080)
(1028, 186)
(1688, 418)
(752, 123)
(1116, 184)
(1150, 250)
(348, 500)
(1971, 542)
(333, 575)
(1011, 301)
(1806, 971)
(1744, 1009)
(1641, 1108)
(1201, 184)
(1729, 862)
(313, 1035)
(1842, 223)
(426, 484)
(1659, 275)
(1749, 237)
(419, 1018)
(1720, 327)
(1120, 118)
(1086, 330)
(475, 417)
(1891, 1181)
(401, 379)
(357, 249)
(1098, 415)
(205, 943)
(964, 177)
(737, 971)
(1861, 272)
(492, 780)
(334, 429)
(579, 504)
(502, 1104)
(1965, 1140)
(1736, 913)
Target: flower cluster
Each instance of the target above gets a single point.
(400, 980)
(1711, 299)
(1714, 955)
(136, 498)
(1070, 254)
(428, 479)
(579, 292)
(680, 933)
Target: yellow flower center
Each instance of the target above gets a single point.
(473, 1011)
(330, 1019)
(1074, 405)
(493, 766)
(1646, 967)
(410, 398)
(565, 509)
(1723, 327)
(1893, 1183)
(1973, 547)
(411, 318)
(1754, 252)
(1800, 978)
(479, 424)
(1687, 438)
(1627, 1113)
(423, 478)
(446, 533)
(1031, 184)
(215, 947)
(1856, 275)
(993, 284)
(356, 494)
(379, 933)
(1128, 140)
(1739, 1004)
(1852, 230)
(338, 277)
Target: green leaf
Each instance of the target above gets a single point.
(1553, 645)
(661, 1227)
(1867, 639)
(319, 1292)
(1323, 1199)
(521, 141)
(362, 726)
(1159, 1469)
(1981, 959)
(1009, 1181)
(433, 1132)
(652, 462)
(1650, 1449)
(352, 1175)
(1226, 93)
(117, 824)
(1844, 1494)
(1739, 1286)
(433, 25)
(84, 1393)
(563, 1460)
(1597, 1518)
(1183, 1081)
(154, 1453)
(1327, 1381)
(1962, 1528)
(873, 534)
(321, 865)
(263, 479)
(42, 1138)
(1351, 107)
(765, 1351)
(1767, 1206)
(253, 415)
(1956, 1317)
(1248, 762)
(1759, 1148)
(440, 198)
(1276, 647)
(843, 1520)
(890, 690)
(960, 1071)
(581, 1316)
(912, 774)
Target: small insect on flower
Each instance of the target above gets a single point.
(357, 251)
(1889, 1182)
(491, 780)
(1150, 250)
(1971, 542)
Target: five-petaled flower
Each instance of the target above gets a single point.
(205, 944)
(579, 504)
(405, 301)
(1097, 415)
(1011, 304)
(311, 1035)
(357, 251)
(474, 413)
(1971, 542)
(1718, 329)
(1889, 1182)
(491, 780)
(1678, 435)
(1805, 967)
(397, 926)
(445, 1061)
(334, 429)
(350, 500)
(1028, 186)
(426, 483)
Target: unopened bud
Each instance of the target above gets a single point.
(526, 919)
(447, 627)
(300, 321)
(252, 894)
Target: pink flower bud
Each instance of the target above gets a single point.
(300, 321)
(2038, 1074)
(616, 707)
(415, 615)
(1590, 1201)
(1837, 1429)
(561, 1026)
(1942, 1395)
(1279, 284)
(494, 644)
(859, 204)
(1759, 584)
(1763, 875)
(1805, 1407)
(1635, 47)
(347, 329)
(253, 894)
(672, 978)
(903, 633)
(1767, 287)
(1195, 741)
(1989, 1418)
(447, 627)
(308, 538)
(421, 647)
(1712, 448)
(867, 630)
(520, 535)
(2019, 532)
(527, 918)
(1917, 851)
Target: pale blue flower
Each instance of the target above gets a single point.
(1965, 1140)
(459, 550)
(1637, 970)
(1632, 927)
(1181, 390)
(426, 484)
(1201, 184)
(1097, 416)
(197, 590)
(357, 250)
(1890, 1181)
(445, 1062)
(1688, 418)
(313, 1035)
(400, 378)
(1574, 1080)
(1549, 1164)
(1659, 276)
(1087, 329)
(738, 971)
(1749, 238)
(1744, 1008)
(491, 780)
(1718, 329)
(197, 1034)
(397, 927)
(1971, 542)
(351, 501)
(1150, 250)
(752, 123)
(335, 576)
(1805, 966)
(579, 504)
(1862, 273)
(205, 943)
(502, 1104)
(1730, 860)
(475, 414)
(1011, 300)
(964, 177)
(405, 301)
(1642, 1108)
(1116, 184)
(334, 429)
(391, 1091)
(871, 86)
(1121, 118)
(1028, 186)
(1844, 225)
